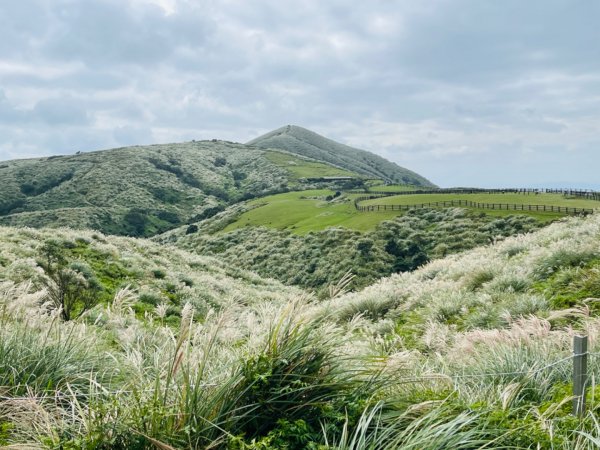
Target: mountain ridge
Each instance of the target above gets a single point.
(302, 141)
(146, 190)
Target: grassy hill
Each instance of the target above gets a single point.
(307, 143)
(141, 191)
(471, 351)
(303, 239)
(159, 274)
(305, 211)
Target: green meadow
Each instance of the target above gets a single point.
(512, 198)
(305, 211)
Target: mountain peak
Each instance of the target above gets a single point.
(301, 141)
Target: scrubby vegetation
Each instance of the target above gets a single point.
(81, 269)
(318, 259)
(470, 351)
(198, 339)
(136, 191)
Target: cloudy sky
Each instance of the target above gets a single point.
(465, 92)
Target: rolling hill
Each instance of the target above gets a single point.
(304, 142)
(141, 191)
(158, 274)
(146, 190)
(135, 191)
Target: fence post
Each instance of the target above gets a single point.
(580, 351)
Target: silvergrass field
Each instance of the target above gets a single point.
(437, 328)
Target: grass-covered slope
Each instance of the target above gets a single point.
(159, 274)
(307, 143)
(315, 257)
(469, 352)
(136, 190)
(304, 211)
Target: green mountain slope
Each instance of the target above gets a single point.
(307, 143)
(135, 191)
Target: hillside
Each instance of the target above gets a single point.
(313, 245)
(141, 191)
(471, 351)
(307, 143)
(159, 274)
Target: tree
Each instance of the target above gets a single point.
(71, 287)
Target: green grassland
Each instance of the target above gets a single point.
(512, 198)
(305, 211)
(305, 168)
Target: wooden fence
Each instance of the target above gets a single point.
(590, 195)
(468, 203)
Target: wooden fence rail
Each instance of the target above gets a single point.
(468, 203)
(590, 195)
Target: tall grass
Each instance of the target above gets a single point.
(428, 360)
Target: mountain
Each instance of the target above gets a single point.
(135, 191)
(304, 142)
(146, 190)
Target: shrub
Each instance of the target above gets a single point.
(191, 229)
(71, 287)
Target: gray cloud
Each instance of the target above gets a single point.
(464, 91)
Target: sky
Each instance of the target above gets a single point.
(465, 92)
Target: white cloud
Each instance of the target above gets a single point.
(440, 86)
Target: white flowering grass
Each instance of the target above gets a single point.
(429, 359)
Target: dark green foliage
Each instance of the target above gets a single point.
(72, 287)
(295, 385)
(220, 161)
(352, 184)
(174, 169)
(41, 185)
(135, 222)
(238, 175)
(159, 273)
(170, 196)
(168, 216)
(9, 206)
(191, 229)
(364, 246)
(208, 213)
